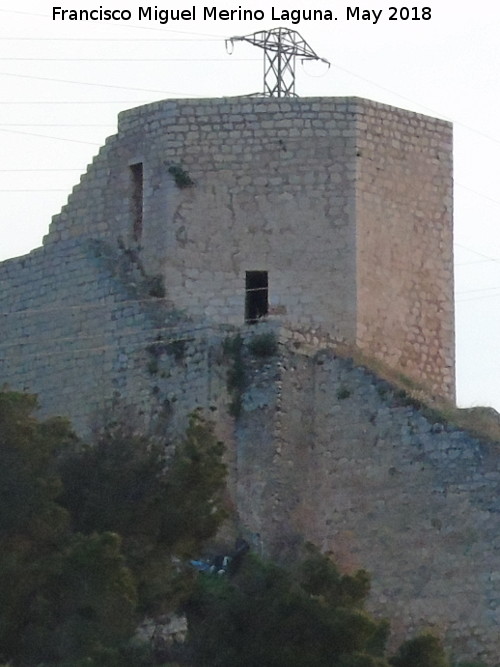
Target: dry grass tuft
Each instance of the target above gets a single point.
(480, 422)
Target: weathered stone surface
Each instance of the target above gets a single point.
(345, 202)
(369, 478)
(347, 205)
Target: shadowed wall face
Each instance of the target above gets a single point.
(404, 241)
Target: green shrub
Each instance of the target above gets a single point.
(156, 287)
(423, 651)
(121, 484)
(236, 375)
(152, 366)
(343, 393)
(181, 177)
(263, 345)
(177, 348)
(265, 616)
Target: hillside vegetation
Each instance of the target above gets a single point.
(94, 537)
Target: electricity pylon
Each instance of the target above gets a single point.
(281, 47)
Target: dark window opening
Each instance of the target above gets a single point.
(256, 299)
(136, 199)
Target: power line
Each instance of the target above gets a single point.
(479, 194)
(15, 11)
(27, 190)
(168, 92)
(46, 136)
(78, 102)
(109, 39)
(479, 289)
(423, 106)
(55, 125)
(133, 27)
(138, 332)
(79, 306)
(86, 83)
(480, 254)
(477, 261)
(133, 60)
(486, 258)
(478, 298)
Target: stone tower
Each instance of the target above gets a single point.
(325, 213)
(332, 220)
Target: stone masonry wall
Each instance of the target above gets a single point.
(273, 190)
(348, 464)
(322, 449)
(404, 216)
(346, 204)
(79, 328)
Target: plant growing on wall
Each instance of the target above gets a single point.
(156, 286)
(263, 345)
(181, 177)
(423, 651)
(236, 376)
(176, 348)
(343, 393)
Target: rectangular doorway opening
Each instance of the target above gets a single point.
(136, 199)
(256, 296)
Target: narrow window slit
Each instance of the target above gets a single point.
(136, 199)
(256, 296)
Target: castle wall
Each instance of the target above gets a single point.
(404, 237)
(273, 190)
(351, 466)
(77, 329)
(322, 449)
(345, 203)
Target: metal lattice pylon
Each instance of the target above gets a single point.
(281, 47)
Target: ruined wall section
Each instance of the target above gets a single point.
(352, 466)
(404, 235)
(77, 329)
(89, 212)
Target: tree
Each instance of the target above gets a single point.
(423, 651)
(162, 507)
(85, 607)
(309, 615)
(268, 615)
(44, 568)
(92, 536)
(319, 576)
(29, 483)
